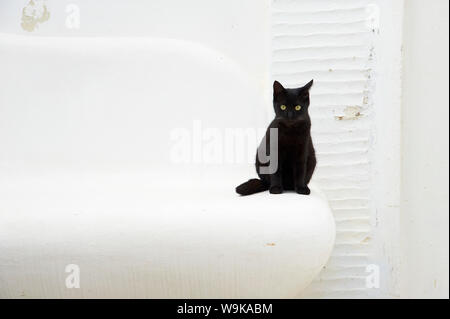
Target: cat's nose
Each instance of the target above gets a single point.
(290, 115)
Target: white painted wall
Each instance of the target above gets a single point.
(236, 28)
(331, 42)
(352, 49)
(387, 147)
(425, 162)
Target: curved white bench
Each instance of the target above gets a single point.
(86, 178)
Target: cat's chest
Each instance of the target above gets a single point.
(291, 137)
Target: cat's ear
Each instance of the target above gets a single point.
(278, 88)
(303, 92)
(308, 86)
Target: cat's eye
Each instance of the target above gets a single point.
(283, 107)
(298, 107)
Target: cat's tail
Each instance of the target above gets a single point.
(251, 187)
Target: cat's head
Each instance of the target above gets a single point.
(291, 104)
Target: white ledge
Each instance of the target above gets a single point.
(132, 239)
(71, 108)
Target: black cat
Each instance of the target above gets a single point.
(296, 155)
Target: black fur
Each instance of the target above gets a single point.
(296, 155)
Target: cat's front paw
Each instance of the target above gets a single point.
(276, 189)
(303, 190)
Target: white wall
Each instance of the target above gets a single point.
(236, 28)
(425, 192)
(352, 49)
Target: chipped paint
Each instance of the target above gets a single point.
(33, 14)
(350, 113)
